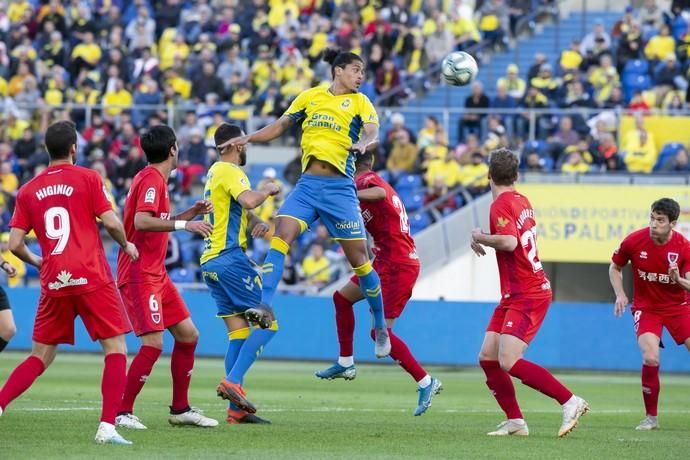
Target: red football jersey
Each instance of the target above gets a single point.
(386, 221)
(148, 193)
(652, 285)
(520, 271)
(61, 205)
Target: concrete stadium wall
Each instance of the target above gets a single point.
(574, 336)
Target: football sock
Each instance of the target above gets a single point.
(237, 338)
(273, 269)
(181, 365)
(345, 323)
(113, 385)
(535, 376)
(3, 343)
(250, 351)
(21, 378)
(346, 361)
(370, 284)
(650, 388)
(425, 382)
(139, 371)
(501, 386)
(403, 356)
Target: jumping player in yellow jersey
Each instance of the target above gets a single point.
(230, 275)
(338, 123)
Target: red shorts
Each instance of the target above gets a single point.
(397, 283)
(521, 318)
(101, 311)
(153, 307)
(677, 323)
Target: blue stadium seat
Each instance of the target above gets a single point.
(412, 199)
(635, 67)
(385, 175)
(678, 27)
(190, 251)
(182, 275)
(668, 151)
(419, 222)
(409, 182)
(633, 83)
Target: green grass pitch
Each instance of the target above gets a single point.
(370, 417)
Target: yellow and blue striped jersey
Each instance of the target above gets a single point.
(224, 183)
(330, 125)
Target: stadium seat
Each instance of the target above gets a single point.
(668, 151)
(419, 222)
(182, 275)
(635, 67)
(633, 83)
(409, 182)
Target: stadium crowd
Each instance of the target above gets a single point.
(116, 67)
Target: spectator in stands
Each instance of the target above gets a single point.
(629, 47)
(193, 160)
(290, 275)
(494, 23)
(471, 122)
(397, 125)
(659, 46)
(534, 99)
(534, 163)
(403, 154)
(115, 100)
(640, 152)
(388, 78)
(316, 267)
(436, 190)
(673, 104)
(638, 103)
(207, 83)
(604, 148)
(571, 59)
(651, 17)
(439, 42)
(589, 42)
(533, 71)
(134, 163)
(503, 100)
(679, 163)
(513, 84)
(615, 163)
(474, 176)
(562, 138)
(574, 163)
(623, 25)
(669, 76)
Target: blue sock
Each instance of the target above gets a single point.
(370, 284)
(251, 350)
(273, 269)
(237, 339)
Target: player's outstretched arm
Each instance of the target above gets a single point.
(369, 139)
(199, 208)
(7, 268)
(372, 194)
(146, 222)
(250, 199)
(506, 243)
(265, 134)
(18, 248)
(116, 230)
(616, 278)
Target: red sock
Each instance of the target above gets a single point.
(344, 322)
(139, 371)
(402, 354)
(181, 365)
(535, 376)
(113, 385)
(21, 378)
(501, 385)
(650, 388)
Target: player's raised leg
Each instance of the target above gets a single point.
(534, 376)
(112, 389)
(501, 386)
(370, 284)
(287, 229)
(649, 346)
(344, 300)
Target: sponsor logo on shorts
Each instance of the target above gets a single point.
(349, 225)
(509, 324)
(150, 196)
(64, 279)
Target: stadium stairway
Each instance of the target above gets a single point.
(549, 39)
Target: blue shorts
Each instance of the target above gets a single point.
(234, 283)
(332, 199)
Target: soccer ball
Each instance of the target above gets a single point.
(459, 68)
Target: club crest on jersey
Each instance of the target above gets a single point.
(502, 222)
(150, 196)
(346, 103)
(672, 257)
